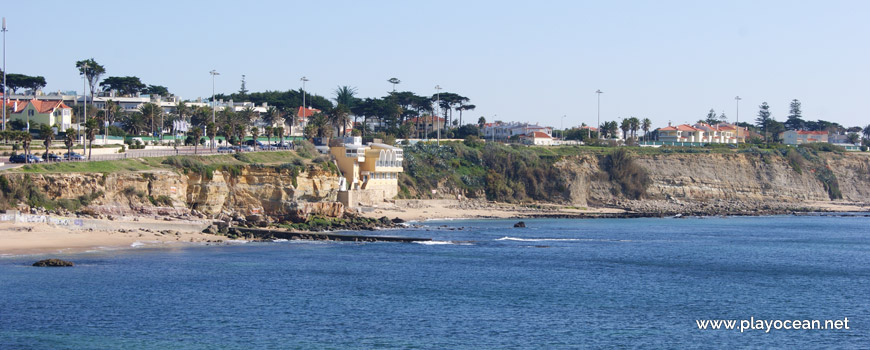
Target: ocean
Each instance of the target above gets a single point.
(556, 284)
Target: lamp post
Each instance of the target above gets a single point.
(213, 105)
(4, 73)
(737, 123)
(305, 109)
(562, 127)
(84, 99)
(599, 92)
(438, 104)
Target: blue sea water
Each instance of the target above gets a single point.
(557, 284)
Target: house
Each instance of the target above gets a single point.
(504, 131)
(426, 124)
(796, 137)
(536, 138)
(303, 114)
(370, 173)
(681, 133)
(51, 113)
(719, 133)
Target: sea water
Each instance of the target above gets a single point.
(558, 283)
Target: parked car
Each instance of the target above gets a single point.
(268, 148)
(225, 150)
(283, 146)
(20, 158)
(246, 148)
(73, 156)
(51, 157)
(253, 143)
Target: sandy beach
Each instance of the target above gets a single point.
(421, 210)
(42, 238)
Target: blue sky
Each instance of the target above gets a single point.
(522, 61)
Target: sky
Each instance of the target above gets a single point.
(528, 61)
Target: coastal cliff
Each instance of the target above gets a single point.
(256, 193)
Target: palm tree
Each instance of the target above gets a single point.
(866, 132)
(634, 124)
(47, 134)
(196, 132)
(268, 132)
(26, 139)
(91, 127)
(625, 126)
(151, 111)
(464, 108)
(255, 133)
(345, 95)
(279, 132)
(853, 138)
(339, 117)
(134, 123)
(69, 139)
(274, 116)
(211, 130)
(645, 124)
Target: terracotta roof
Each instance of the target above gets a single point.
(805, 132)
(41, 106)
(540, 135)
(306, 112)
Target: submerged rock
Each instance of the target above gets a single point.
(520, 224)
(53, 263)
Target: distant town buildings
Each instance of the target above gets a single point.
(40, 112)
(796, 137)
(504, 131)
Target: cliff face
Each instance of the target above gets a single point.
(720, 177)
(255, 191)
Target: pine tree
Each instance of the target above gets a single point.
(795, 121)
(763, 120)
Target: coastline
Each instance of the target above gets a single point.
(40, 238)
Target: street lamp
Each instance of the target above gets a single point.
(599, 92)
(304, 109)
(213, 105)
(737, 123)
(4, 73)
(562, 127)
(438, 104)
(84, 98)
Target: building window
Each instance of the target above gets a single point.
(30, 113)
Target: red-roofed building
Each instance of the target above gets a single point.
(536, 138)
(48, 112)
(796, 137)
(303, 114)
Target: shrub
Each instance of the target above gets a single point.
(621, 169)
(305, 149)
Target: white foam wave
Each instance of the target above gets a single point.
(137, 244)
(240, 241)
(433, 242)
(507, 238)
(537, 239)
(279, 240)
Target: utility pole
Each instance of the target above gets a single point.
(305, 109)
(737, 123)
(84, 98)
(213, 105)
(4, 73)
(438, 104)
(599, 92)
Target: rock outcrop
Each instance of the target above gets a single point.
(53, 263)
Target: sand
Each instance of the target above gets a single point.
(40, 238)
(453, 209)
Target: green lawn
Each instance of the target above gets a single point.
(158, 163)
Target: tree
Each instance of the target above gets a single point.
(853, 138)
(91, 128)
(274, 116)
(112, 110)
(196, 132)
(47, 135)
(151, 111)
(92, 71)
(69, 139)
(625, 126)
(255, 133)
(795, 121)
(123, 85)
(156, 90)
(279, 132)
(645, 124)
(465, 108)
(243, 91)
(339, 117)
(26, 139)
(211, 130)
(345, 95)
(634, 125)
(866, 132)
(763, 120)
(776, 129)
(711, 118)
(35, 84)
(395, 82)
(134, 123)
(21, 81)
(268, 132)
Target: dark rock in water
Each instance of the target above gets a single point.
(384, 220)
(398, 221)
(520, 224)
(53, 263)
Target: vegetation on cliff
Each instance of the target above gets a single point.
(24, 191)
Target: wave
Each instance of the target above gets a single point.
(433, 242)
(279, 240)
(517, 239)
